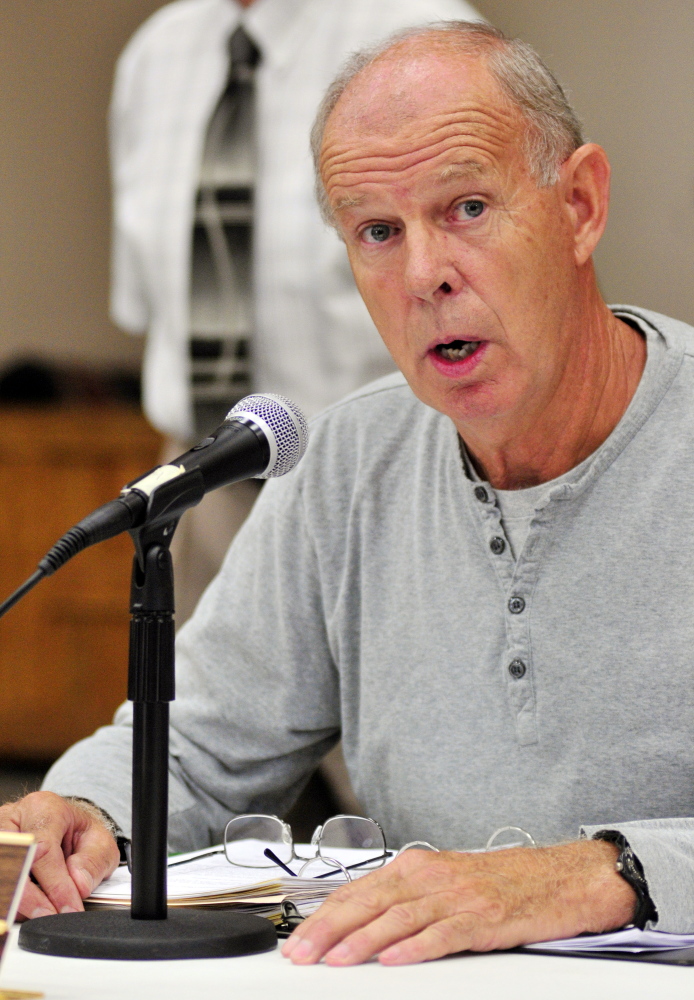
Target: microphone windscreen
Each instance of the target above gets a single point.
(284, 426)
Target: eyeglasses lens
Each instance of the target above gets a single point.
(345, 837)
(246, 837)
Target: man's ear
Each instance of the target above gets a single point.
(585, 180)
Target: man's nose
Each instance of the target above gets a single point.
(430, 272)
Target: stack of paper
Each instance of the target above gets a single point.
(631, 939)
(204, 879)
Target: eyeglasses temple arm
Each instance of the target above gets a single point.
(273, 857)
(358, 864)
(199, 854)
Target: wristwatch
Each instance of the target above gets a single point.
(631, 870)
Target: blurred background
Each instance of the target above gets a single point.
(71, 431)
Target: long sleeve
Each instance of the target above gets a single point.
(665, 848)
(129, 304)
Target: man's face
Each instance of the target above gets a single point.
(466, 266)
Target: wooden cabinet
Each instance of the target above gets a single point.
(63, 649)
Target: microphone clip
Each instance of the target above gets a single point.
(165, 505)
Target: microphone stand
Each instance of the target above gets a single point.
(151, 687)
(149, 930)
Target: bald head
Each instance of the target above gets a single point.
(383, 95)
(378, 89)
(416, 102)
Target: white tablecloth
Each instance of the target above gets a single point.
(496, 976)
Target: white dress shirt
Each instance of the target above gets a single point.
(313, 338)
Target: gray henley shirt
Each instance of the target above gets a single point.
(366, 596)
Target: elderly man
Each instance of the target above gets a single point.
(480, 576)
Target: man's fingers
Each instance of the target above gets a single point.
(341, 913)
(337, 916)
(356, 905)
(48, 817)
(96, 858)
(464, 931)
(438, 939)
(34, 903)
(399, 923)
(51, 872)
(62, 830)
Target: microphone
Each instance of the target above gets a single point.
(263, 436)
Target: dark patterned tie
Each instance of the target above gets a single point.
(221, 301)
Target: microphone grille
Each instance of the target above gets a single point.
(285, 422)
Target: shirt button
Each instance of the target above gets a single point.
(516, 605)
(497, 545)
(481, 494)
(516, 668)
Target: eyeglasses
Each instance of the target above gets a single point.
(262, 841)
(257, 840)
(509, 836)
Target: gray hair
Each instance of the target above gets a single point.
(553, 129)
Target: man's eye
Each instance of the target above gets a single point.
(471, 209)
(377, 233)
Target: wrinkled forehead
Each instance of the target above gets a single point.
(419, 106)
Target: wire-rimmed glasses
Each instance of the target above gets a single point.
(509, 836)
(257, 840)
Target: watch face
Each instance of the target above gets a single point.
(631, 866)
(631, 870)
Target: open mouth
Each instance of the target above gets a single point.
(457, 350)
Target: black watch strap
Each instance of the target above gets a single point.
(631, 870)
(124, 848)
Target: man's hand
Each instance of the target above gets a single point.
(74, 853)
(424, 905)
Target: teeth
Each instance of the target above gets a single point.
(453, 352)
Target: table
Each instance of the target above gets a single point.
(496, 976)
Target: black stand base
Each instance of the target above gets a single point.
(186, 933)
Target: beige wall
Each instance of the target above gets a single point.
(629, 67)
(56, 64)
(627, 63)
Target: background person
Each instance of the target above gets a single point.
(219, 252)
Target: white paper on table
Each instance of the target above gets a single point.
(209, 875)
(631, 939)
